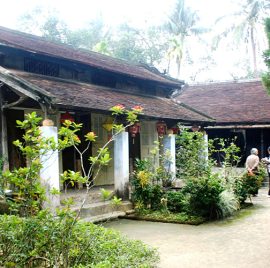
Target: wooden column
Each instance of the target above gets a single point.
(3, 125)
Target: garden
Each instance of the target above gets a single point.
(207, 193)
(31, 236)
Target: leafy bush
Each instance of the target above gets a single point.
(176, 201)
(204, 195)
(146, 192)
(240, 190)
(148, 195)
(249, 184)
(191, 155)
(47, 241)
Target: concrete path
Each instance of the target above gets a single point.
(239, 242)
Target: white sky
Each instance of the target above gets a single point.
(136, 12)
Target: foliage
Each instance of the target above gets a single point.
(116, 202)
(105, 194)
(245, 29)
(181, 24)
(164, 173)
(206, 193)
(252, 183)
(143, 46)
(146, 193)
(228, 204)
(176, 201)
(25, 180)
(266, 76)
(203, 195)
(191, 155)
(240, 189)
(161, 216)
(48, 241)
(148, 196)
(30, 194)
(61, 240)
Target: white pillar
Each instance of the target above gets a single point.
(169, 146)
(205, 138)
(121, 165)
(49, 173)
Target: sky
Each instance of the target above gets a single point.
(137, 13)
(114, 12)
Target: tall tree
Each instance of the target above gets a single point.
(245, 27)
(146, 46)
(266, 76)
(181, 24)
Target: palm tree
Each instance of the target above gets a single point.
(247, 25)
(266, 76)
(181, 24)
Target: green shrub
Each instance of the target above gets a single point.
(240, 190)
(148, 195)
(191, 155)
(145, 191)
(204, 195)
(176, 201)
(47, 241)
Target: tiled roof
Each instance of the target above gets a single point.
(230, 102)
(39, 45)
(67, 93)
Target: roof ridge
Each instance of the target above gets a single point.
(82, 56)
(193, 109)
(225, 82)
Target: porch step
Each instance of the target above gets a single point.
(102, 208)
(78, 195)
(104, 217)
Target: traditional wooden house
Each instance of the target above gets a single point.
(240, 109)
(59, 81)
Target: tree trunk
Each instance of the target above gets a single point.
(253, 51)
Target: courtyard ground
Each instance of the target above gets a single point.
(238, 242)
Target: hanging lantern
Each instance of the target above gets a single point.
(66, 116)
(108, 124)
(134, 129)
(175, 130)
(161, 128)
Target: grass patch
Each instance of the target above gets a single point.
(166, 217)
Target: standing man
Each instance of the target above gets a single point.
(252, 161)
(252, 164)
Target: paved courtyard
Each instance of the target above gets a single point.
(243, 241)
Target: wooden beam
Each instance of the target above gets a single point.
(21, 86)
(238, 126)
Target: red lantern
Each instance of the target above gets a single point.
(161, 128)
(66, 116)
(175, 130)
(134, 129)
